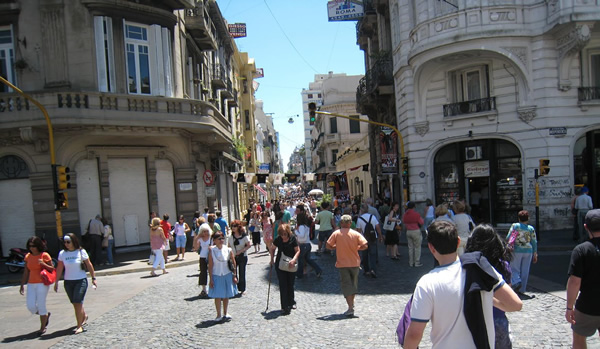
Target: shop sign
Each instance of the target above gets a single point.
(263, 168)
(345, 10)
(558, 131)
(211, 192)
(185, 186)
(237, 30)
(477, 169)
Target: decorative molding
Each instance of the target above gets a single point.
(446, 23)
(28, 134)
(508, 15)
(568, 44)
(519, 52)
(527, 113)
(553, 7)
(422, 128)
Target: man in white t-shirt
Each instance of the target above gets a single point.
(439, 297)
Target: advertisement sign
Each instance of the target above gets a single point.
(477, 169)
(237, 30)
(259, 73)
(263, 168)
(388, 139)
(344, 10)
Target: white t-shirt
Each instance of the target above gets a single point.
(439, 297)
(303, 234)
(72, 261)
(360, 224)
(204, 246)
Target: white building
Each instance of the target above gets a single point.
(485, 89)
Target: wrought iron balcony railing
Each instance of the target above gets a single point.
(470, 107)
(588, 93)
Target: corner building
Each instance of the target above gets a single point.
(142, 96)
(485, 89)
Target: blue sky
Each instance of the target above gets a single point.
(323, 46)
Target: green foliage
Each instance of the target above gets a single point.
(239, 146)
(326, 198)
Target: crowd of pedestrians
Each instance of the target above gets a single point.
(478, 275)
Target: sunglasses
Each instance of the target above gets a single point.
(221, 239)
(67, 241)
(30, 246)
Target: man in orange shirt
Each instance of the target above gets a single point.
(347, 242)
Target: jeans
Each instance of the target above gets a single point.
(520, 269)
(286, 288)
(369, 257)
(414, 238)
(109, 251)
(306, 258)
(241, 262)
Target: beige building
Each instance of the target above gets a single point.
(144, 100)
(333, 136)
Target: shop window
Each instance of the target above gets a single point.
(7, 58)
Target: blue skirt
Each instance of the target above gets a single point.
(224, 287)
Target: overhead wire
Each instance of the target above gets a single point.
(288, 38)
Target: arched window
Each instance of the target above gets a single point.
(13, 167)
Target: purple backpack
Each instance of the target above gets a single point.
(404, 322)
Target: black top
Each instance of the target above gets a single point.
(585, 264)
(288, 248)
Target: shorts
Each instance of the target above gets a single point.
(324, 235)
(349, 280)
(76, 290)
(180, 241)
(585, 325)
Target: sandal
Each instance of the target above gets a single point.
(78, 330)
(165, 271)
(85, 321)
(153, 274)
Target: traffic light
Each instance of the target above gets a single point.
(405, 166)
(63, 178)
(62, 201)
(544, 167)
(312, 112)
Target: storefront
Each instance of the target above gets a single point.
(586, 157)
(485, 173)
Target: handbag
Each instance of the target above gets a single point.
(48, 277)
(388, 225)
(83, 265)
(284, 264)
(105, 242)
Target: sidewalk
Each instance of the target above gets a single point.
(127, 260)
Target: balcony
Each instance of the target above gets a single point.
(228, 91)
(470, 107)
(108, 110)
(219, 77)
(200, 27)
(366, 26)
(233, 101)
(377, 83)
(585, 94)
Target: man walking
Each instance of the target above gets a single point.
(222, 223)
(440, 295)
(584, 279)
(347, 242)
(368, 225)
(583, 204)
(96, 232)
(326, 224)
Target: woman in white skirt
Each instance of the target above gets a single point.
(223, 281)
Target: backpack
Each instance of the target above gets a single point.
(369, 232)
(404, 323)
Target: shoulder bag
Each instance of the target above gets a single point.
(388, 225)
(48, 277)
(284, 264)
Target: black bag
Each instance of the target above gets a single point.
(369, 233)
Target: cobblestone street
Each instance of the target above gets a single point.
(167, 312)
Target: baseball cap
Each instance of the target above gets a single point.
(592, 220)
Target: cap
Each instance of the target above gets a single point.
(584, 190)
(592, 220)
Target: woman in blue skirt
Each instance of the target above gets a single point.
(223, 281)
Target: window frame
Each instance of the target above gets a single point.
(333, 129)
(459, 83)
(355, 124)
(9, 49)
(137, 44)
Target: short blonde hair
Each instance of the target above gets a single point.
(441, 210)
(346, 219)
(155, 222)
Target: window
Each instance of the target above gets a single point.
(334, 155)
(247, 119)
(595, 69)
(310, 96)
(319, 95)
(7, 58)
(354, 125)
(138, 59)
(148, 58)
(470, 84)
(332, 125)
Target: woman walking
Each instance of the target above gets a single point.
(35, 261)
(180, 231)
(286, 246)
(267, 226)
(223, 282)
(158, 241)
(485, 239)
(74, 261)
(111, 242)
(303, 237)
(464, 224)
(202, 243)
(256, 229)
(240, 244)
(413, 222)
(392, 237)
(429, 212)
(525, 250)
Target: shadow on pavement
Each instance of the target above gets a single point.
(59, 333)
(209, 323)
(336, 317)
(23, 337)
(193, 275)
(191, 299)
(273, 314)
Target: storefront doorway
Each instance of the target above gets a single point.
(486, 174)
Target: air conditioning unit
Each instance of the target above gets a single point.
(473, 153)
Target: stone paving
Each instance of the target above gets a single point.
(169, 313)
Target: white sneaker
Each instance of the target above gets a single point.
(227, 317)
(218, 319)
